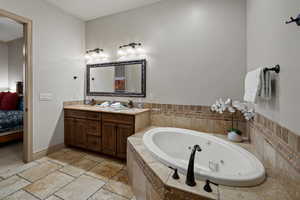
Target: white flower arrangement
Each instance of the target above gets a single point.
(232, 106)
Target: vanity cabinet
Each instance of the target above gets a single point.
(116, 129)
(105, 133)
(83, 129)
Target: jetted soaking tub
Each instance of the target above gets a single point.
(219, 161)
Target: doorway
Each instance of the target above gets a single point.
(26, 84)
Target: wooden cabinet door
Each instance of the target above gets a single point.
(69, 127)
(109, 138)
(123, 132)
(93, 143)
(79, 133)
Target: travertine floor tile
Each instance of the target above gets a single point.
(39, 171)
(94, 157)
(21, 195)
(53, 198)
(46, 186)
(64, 157)
(119, 188)
(78, 168)
(13, 171)
(105, 170)
(120, 184)
(11, 155)
(11, 185)
(122, 177)
(106, 195)
(82, 188)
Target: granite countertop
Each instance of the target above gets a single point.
(270, 189)
(130, 111)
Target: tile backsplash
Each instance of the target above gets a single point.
(199, 118)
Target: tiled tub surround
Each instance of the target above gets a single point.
(279, 149)
(152, 180)
(67, 174)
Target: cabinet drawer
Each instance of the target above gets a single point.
(118, 118)
(93, 127)
(82, 114)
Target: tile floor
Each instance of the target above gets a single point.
(10, 155)
(68, 174)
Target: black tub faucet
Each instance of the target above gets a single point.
(190, 176)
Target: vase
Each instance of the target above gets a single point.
(233, 136)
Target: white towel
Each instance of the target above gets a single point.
(253, 85)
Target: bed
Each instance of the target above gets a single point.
(11, 123)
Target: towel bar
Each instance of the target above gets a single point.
(275, 69)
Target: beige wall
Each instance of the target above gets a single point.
(58, 55)
(3, 66)
(15, 62)
(270, 42)
(196, 48)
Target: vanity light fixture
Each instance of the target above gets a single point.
(296, 20)
(131, 49)
(95, 55)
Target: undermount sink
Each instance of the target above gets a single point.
(112, 108)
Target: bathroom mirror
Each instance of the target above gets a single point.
(123, 79)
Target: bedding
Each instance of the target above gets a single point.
(11, 120)
(9, 101)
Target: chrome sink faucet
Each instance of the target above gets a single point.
(190, 177)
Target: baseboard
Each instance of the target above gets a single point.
(47, 151)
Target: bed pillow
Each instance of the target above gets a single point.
(9, 101)
(2, 95)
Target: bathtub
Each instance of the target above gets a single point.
(219, 161)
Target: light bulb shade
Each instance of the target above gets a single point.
(121, 52)
(94, 55)
(101, 55)
(87, 56)
(142, 56)
(131, 51)
(140, 50)
(105, 56)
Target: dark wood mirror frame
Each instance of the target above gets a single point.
(118, 94)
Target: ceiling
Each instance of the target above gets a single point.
(10, 30)
(92, 9)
